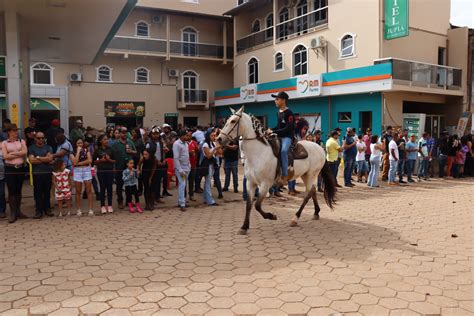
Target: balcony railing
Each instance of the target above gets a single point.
(302, 24)
(138, 44)
(177, 48)
(424, 74)
(255, 39)
(192, 98)
(198, 50)
(297, 26)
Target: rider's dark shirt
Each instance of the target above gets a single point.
(286, 124)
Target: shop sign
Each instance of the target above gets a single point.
(396, 19)
(171, 114)
(308, 85)
(248, 93)
(124, 109)
(45, 104)
(14, 114)
(3, 71)
(462, 124)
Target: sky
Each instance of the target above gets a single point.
(462, 13)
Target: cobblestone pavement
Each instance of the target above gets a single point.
(397, 251)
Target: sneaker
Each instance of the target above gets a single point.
(110, 209)
(60, 214)
(139, 209)
(103, 210)
(79, 213)
(401, 181)
(236, 191)
(130, 208)
(91, 213)
(225, 190)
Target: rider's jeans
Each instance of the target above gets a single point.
(285, 147)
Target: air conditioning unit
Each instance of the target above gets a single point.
(173, 73)
(158, 19)
(75, 77)
(318, 42)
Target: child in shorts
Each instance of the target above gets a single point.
(130, 182)
(62, 184)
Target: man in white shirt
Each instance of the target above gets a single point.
(199, 135)
(362, 165)
(393, 158)
(182, 166)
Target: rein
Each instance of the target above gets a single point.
(236, 125)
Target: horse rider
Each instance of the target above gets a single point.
(285, 130)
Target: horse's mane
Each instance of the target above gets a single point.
(258, 128)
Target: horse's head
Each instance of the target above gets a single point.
(230, 132)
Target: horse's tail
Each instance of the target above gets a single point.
(329, 185)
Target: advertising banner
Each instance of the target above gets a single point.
(248, 93)
(124, 109)
(396, 19)
(308, 86)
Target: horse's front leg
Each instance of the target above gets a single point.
(309, 194)
(263, 190)
(250, 196)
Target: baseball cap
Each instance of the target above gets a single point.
(155, 129)
(166, 125)
(281, 95)
(78, 122)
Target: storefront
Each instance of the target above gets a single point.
(44, 110)
(124, 113)
(349, 98)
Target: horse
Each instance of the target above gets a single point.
(261, 166)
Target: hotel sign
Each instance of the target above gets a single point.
(396, 19)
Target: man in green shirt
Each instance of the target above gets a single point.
(77, 132)
(123, 151)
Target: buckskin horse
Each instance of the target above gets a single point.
(261, 168)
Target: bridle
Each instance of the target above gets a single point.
(236, 125)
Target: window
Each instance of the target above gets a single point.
(190, 38)
(344, 117)
(42, 73)
(256, 26)
(300, 60)
(278, 61)
(302, 22)
(269, 26)
(142, 29)
(253, 70)
(347, 45)
(142, 75)
(104, 74)
(190, 86)
(283, 29)
(321, 15)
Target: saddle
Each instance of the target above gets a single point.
(296, 152)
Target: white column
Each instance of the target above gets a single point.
(224, 40)
(15, 104)
(275, 20)
(168, 37)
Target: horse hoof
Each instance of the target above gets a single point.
(274, 217)
(316, 217)
(293, 223)
(242, 232)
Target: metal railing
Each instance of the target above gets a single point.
(302, 24)
(197, 49)
(424, 74)
(138, 44)
(255, 39)
(193, 97)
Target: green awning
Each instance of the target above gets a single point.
(44, 104)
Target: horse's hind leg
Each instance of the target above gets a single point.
(251, 193)
(317, 209)
(258, 205)
(308, 195)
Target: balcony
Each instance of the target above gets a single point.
(425, 75)
(255, 39)
(179, 48)
(138, 44)
(302, 24)
(159, 47)
(192, 99)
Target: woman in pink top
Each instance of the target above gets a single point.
(14, 153)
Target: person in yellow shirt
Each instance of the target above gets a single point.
(332, 152)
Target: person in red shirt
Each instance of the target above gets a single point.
(193, 156)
